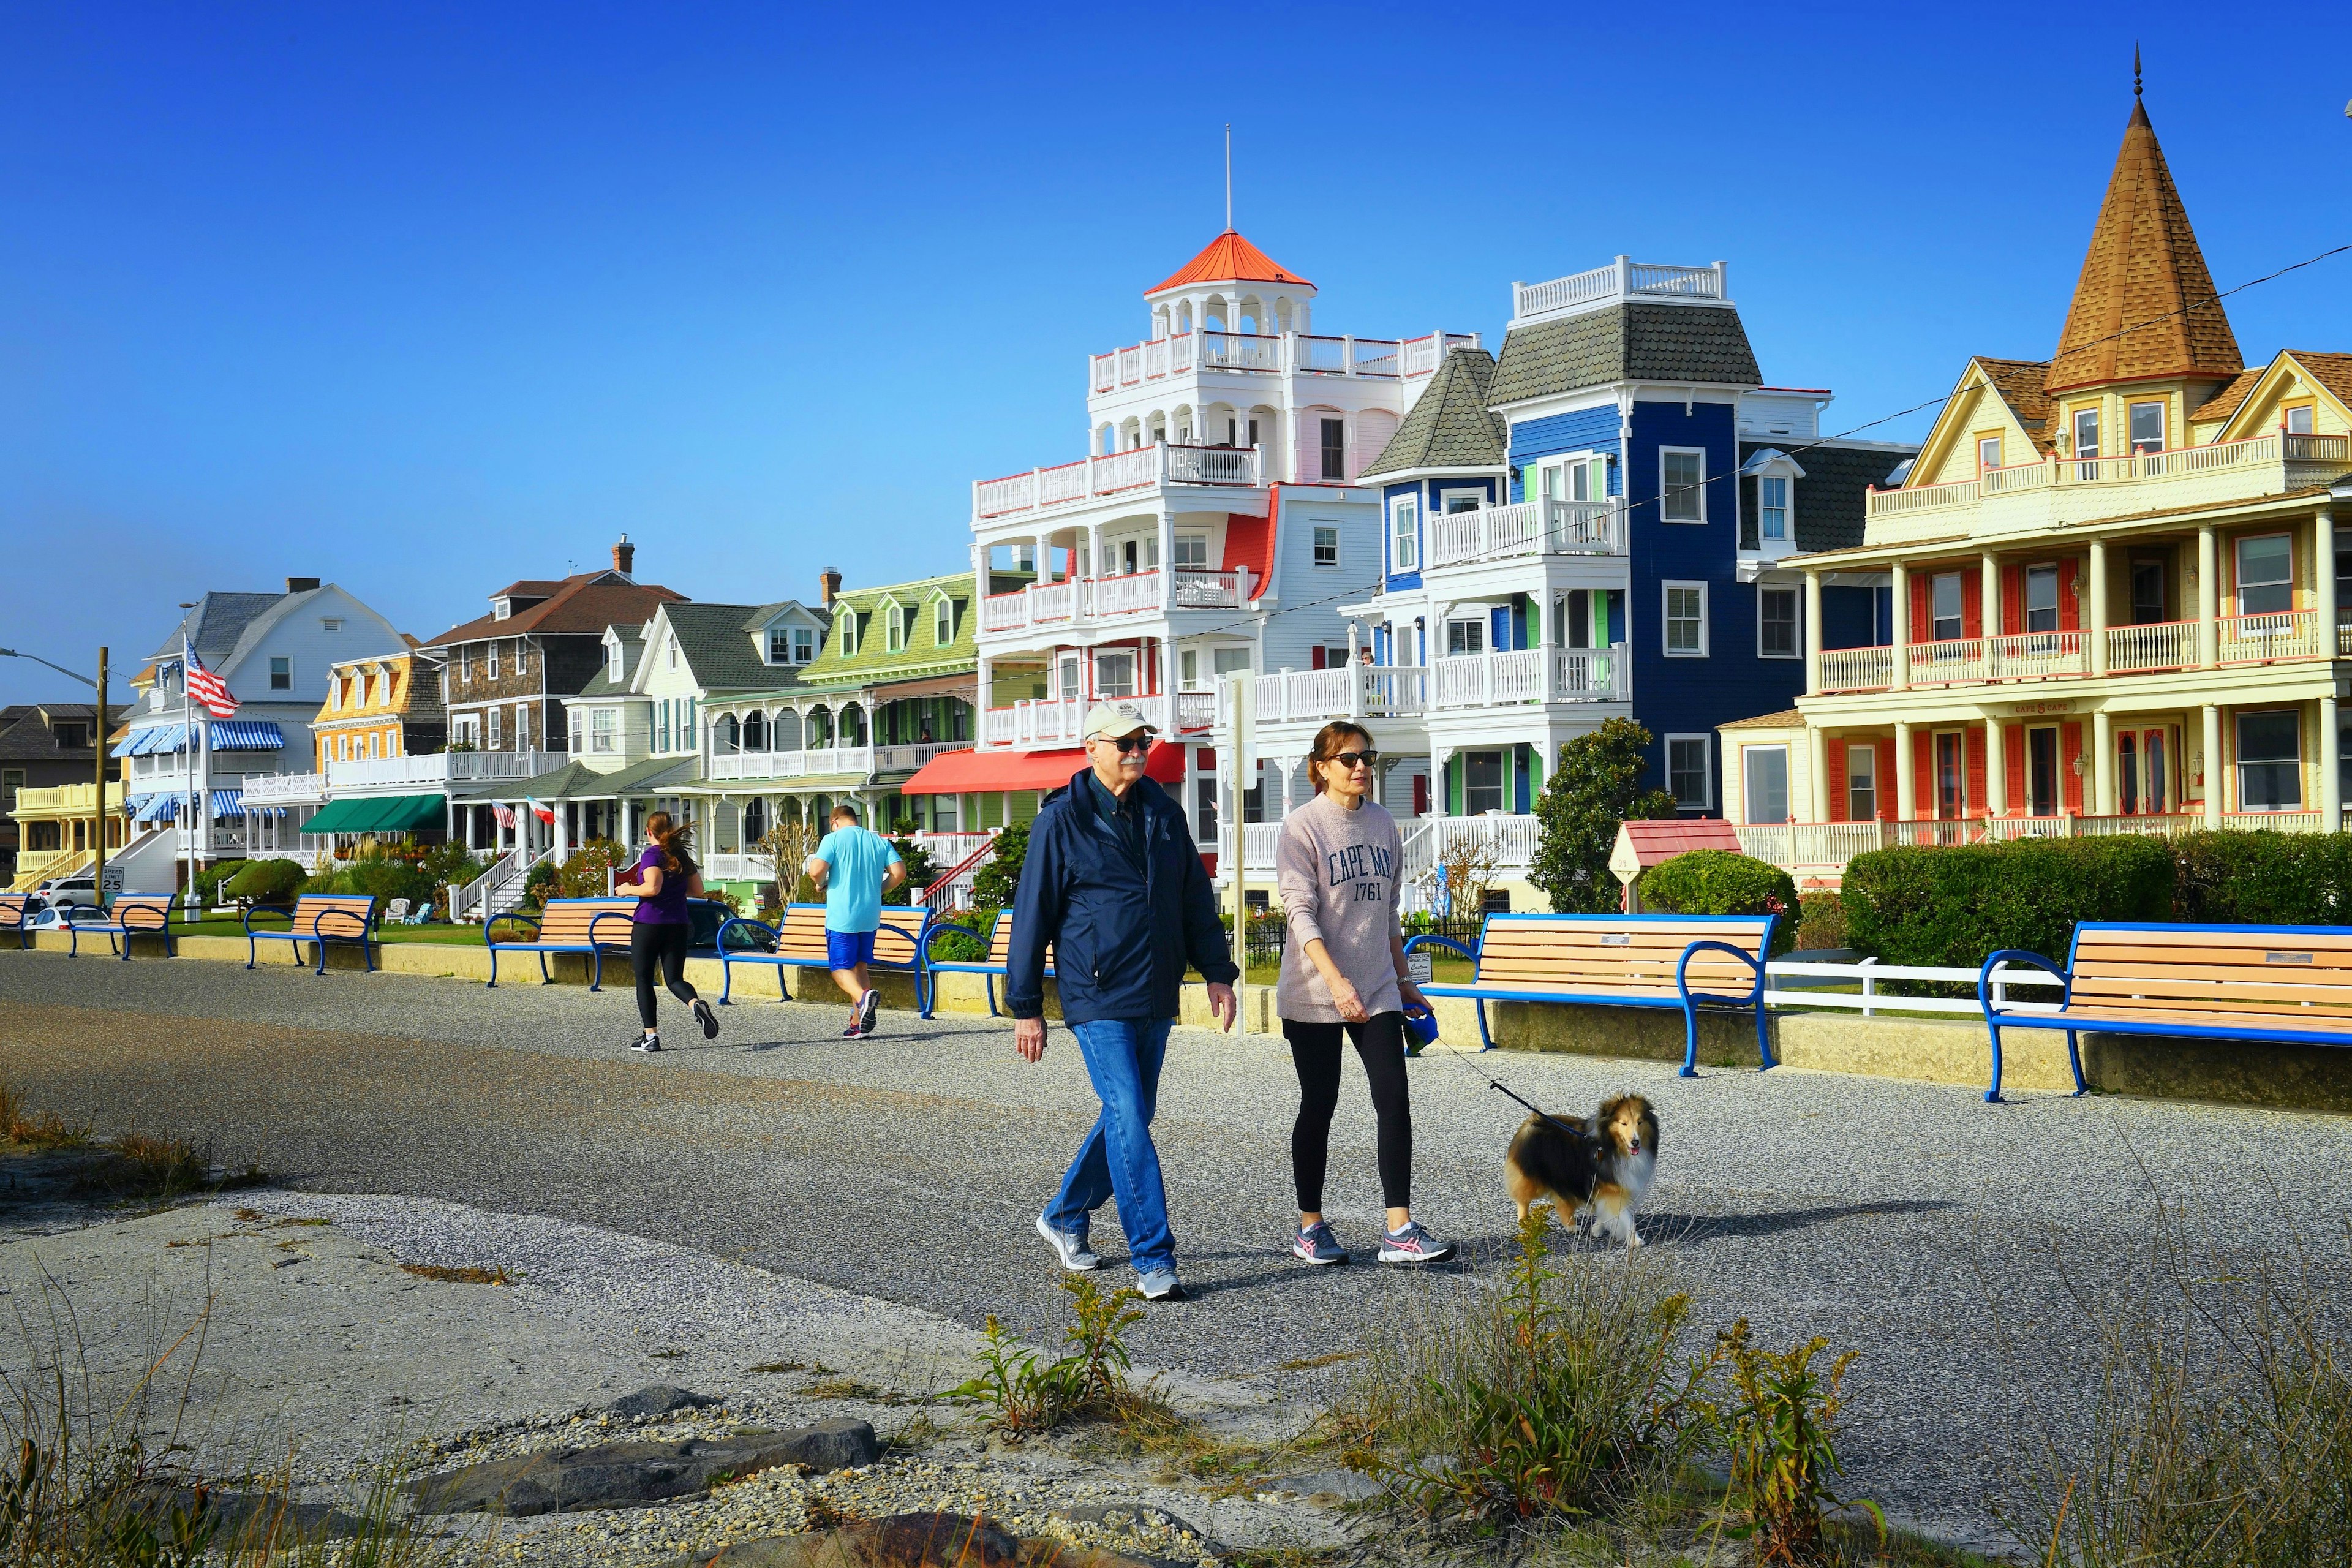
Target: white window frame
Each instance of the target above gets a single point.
(490, 670)
(847, 619)
(894, 629)
(1481, 624)
(1446, 498)
(1796, 620)
(1670, 490)
(2237, 584)
(1959, 605)
(465, 662)
(1315, 531)
(490, 728)
(1666, 591)
(1133, 662)
(1404, 534)
(942, 621)
(1765, 509)
(2025, 605)
(1706, 771)
(334, 694)
(2301, 419)
(604, 730)
(1982, 442)
(2239, 764)
(2163, 421)
(579, 731)
(1748, 757)
(803, 645)
(1187, 556)
(779, 645)
(1844, 781)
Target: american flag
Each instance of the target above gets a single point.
(210, 689)
(505, 814)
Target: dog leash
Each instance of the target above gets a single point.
(1496, 1084)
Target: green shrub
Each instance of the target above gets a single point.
(993, 885)
(583, 875)
(1596, 785)
(210, 878)
(2263, 878)
(1955, 906)
(959, 940)
(1823, 921)
(266, 881)
(384, 880)
(920, 872)
(1723, 883)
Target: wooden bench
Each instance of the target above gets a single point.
(799, 943)
(995, 966)
(16, 913)
(320, 918)
(585, 926)
(2288, 984)
(1620, 960)
(132, 914)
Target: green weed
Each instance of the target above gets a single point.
(1781, 1428)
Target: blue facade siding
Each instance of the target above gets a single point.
(1850, 617)
(1399, 580)
(1586, 430)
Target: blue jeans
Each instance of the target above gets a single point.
(1117, 1159)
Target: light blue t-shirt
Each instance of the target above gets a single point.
(857, 858)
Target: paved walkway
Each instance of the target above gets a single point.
(1889, 1217)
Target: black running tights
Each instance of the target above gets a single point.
(1315, 1051)
(664, 945)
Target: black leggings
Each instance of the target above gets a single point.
(665, 944)
(1315, 1051)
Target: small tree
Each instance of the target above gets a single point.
(585, 875)
(993, 885)
(784, 848)
(1596, 785)
(1461, 875)
(920, 872)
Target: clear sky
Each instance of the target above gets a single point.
(423, 299)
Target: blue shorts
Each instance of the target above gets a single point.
(848, 949)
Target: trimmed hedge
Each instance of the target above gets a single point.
(266, 881)
(1721, 883)
(387, 880)
(2263, 878)
(1954, 906)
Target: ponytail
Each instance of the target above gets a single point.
(675, 839)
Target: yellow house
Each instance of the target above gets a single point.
(388, 706)
(53, 829)
(2112, 586)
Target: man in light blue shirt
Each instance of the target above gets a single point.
(853, 866)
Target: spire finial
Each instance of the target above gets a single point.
(1229, 176)
(2134, 69)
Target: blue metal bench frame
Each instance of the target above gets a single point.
(121, 926)
(593, 949)
(780, 960)
(315, 933)
(1688, 1001)
(1995, 1021)
(21, 922)
(988, 968)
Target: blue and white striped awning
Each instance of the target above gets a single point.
(162, 737)
(158, 808)
(138, 802)
(227, 803)
(128, 745)
(245, 735)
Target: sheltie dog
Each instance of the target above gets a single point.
(1603, 1165)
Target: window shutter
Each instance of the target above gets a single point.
(1974, 738)
(1750, 519)
(1420, 795)
(2012, 767)
(1923, 624)
(1923, 773)
(1314, 656)
(1833, 755)
(2070, 611)
(1499, 635)
(2012, 600)
(1972, 606)
(1887, 802)
(2070, 756)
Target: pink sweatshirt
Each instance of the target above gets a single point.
(1336, 871)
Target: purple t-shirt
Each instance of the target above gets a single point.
(666, 907)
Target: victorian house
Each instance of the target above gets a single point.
(48, 760)
(2111, 583)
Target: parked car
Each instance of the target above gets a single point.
(60, 893)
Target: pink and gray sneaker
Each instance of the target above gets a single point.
(1414, 1244)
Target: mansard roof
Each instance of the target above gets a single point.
(1450, 425)
(1704, 343)
(2145, 305)
(1230, 258)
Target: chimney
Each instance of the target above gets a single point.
(300, 584)
(624, 557)
(830, 581)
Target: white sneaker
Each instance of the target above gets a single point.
(1076, 1255)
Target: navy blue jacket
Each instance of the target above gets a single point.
(1121, 938)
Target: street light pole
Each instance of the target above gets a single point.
(98, 813)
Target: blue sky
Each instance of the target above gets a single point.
(425, 300)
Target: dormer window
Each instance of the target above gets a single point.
(500, 608)
(849, 632)
(613, 661)
(803, 645)
(335, 696)
(942, 622)
(894, 634)
(1772, 508)
(779, 645)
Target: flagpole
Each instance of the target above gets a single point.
(187, 765)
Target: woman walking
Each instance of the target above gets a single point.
(1343, 971)
(665, 877)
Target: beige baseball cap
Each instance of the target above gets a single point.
(1115, 720)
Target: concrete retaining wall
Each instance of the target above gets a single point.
(1931, 1050)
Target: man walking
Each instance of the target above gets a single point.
(1113, 884)
(853, 868)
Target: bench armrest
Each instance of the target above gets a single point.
(748, 923)
(253, 910)
(1682, 969)
(2019, 955)
(160, 918)
(934, 930)
(1415, 944)
(318, 926)
(597, 922)
(510, 915)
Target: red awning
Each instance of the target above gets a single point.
(982, 773)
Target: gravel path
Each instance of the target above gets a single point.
(1894, 1218)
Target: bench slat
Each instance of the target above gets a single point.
(2222, 961)
(2159, 989)
(2295, 1018)
(2205, 939)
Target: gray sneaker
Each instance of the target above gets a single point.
(1076, 1255)
(1159, 1285)
(1316, 1244)
(867, 1005)
(1413, 1244)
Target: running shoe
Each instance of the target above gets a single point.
(1160, 1285)
(853, 1032)
(647, 1042)
(1316, 1244)
(1076, 1255)
(710, 1019)
(867, 1005)
(1413, 1244)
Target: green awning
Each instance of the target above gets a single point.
(380, 813)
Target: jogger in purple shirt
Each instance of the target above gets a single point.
(665, 877)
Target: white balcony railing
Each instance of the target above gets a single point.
(1302, 353)
(1113, 472)
(2157, 645)
(1052, 604)
(907, 758)
(1947, 663)
(1318, 696)
(1529, 675)
(1058, 720)
(1857, 668)
(272, 789)
(1624, 279)
(817, 762)
(2276, 460)
(437, 771)
(2257, 640)
(1540, 527)
(2022, 656)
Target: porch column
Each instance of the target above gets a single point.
(1167, 558)
(562, 832)
(980, 714)
(1816, 766)
(1438, 759)
(1900, 633)
(2099, 614)
(2212, 716)
(1996, 766)
(2209, 601)
(2322, 577)
(2331, 782)
(1907, 782)
(1991, 600)
(2102, 764)
(1813, 633)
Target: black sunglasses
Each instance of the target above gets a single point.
(1127, 744)
(1353, 760)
